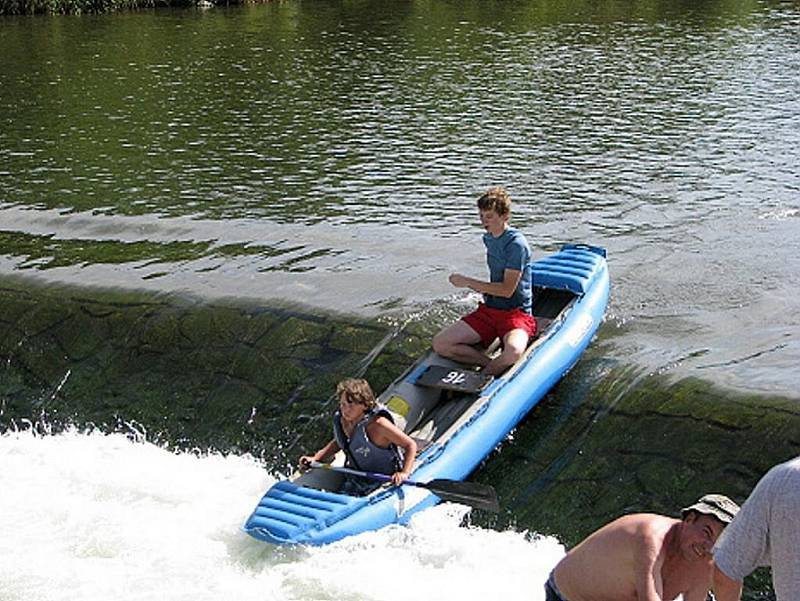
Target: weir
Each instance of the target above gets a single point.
(252, 379)
(220, 376)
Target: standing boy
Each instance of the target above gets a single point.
(505, 312)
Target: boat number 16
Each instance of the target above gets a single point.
(454, 377)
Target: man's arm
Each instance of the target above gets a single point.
(504, 289)
(725, 588)
(648, 562)
(700, 589)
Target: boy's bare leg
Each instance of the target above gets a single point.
(514, 344)
(456, 342)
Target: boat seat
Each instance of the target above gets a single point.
(441, 418)
(455, 379)
(410, 400)
(409, 404)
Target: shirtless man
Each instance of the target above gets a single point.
(645, 557)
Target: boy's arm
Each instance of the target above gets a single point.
(382, 432)
(505, 289)
(324, 453)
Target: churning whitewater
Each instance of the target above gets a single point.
(91, 516)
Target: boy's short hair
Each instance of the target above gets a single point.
(356, 390)
(495, 198)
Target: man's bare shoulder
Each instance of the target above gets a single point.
(620, 540)
(646, 519)
(640, 524)
(604, 566)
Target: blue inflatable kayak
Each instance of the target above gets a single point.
(456, 422)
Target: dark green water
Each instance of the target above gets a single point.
(209, 217)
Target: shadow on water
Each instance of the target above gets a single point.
(609, 439)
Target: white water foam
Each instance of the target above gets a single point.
(96, 517)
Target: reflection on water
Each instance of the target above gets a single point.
(301, 114)
(330, 154)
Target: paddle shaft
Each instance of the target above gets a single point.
(475, 495)
(370, 475)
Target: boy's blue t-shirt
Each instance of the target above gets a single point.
(509, 251)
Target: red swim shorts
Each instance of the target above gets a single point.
(496, 323)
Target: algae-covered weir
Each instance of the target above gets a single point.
(207, 218)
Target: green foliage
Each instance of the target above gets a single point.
(32, 7)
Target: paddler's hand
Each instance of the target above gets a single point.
(399, 477)
(458, 280)
(305, 462)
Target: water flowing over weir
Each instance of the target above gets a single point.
(234, 378)
(128, 520)
(242, 379)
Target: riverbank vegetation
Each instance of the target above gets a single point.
(32, 7)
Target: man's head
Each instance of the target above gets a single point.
(717, 506)
(494, 209)
(702, 524)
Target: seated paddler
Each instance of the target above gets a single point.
(365, 431)
(506, 310)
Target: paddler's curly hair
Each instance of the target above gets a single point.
(356, 390)
(495, 198)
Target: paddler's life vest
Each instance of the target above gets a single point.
(362, 454)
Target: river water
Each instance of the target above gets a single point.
(190, 197)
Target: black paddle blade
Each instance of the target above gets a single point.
(479, 496)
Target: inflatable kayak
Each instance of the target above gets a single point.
(456, 415)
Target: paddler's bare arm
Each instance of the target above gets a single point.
(326, 452)
(383, 432)
(504, 289)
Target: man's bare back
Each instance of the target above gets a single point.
(642, 557)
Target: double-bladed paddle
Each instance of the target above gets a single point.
(479, 496)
